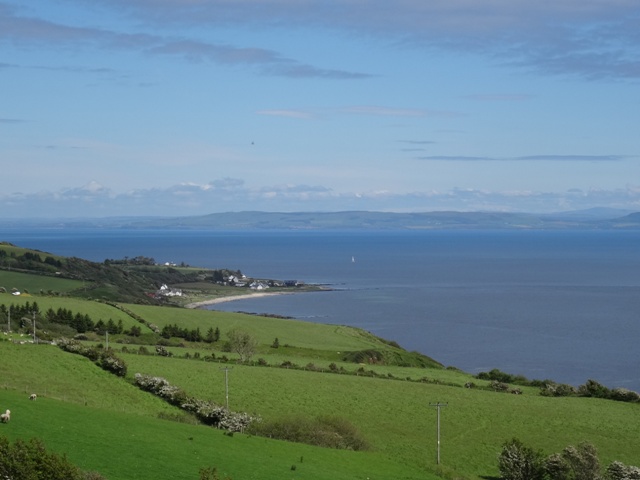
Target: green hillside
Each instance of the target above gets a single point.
(129, 280)
(293, 374)
(390, 409)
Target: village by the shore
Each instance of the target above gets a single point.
(231, 298)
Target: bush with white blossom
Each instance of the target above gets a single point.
(207, 412)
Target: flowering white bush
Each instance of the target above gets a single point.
(619, 471)
(207, 412)
(113, 364)
(160, 387)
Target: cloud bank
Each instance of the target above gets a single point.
(230, 194)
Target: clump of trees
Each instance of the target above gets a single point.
(193, 335)
(503, 377)
(30, 460)
(27, 260)
(139, 260)
(520, 462)
(22, 316)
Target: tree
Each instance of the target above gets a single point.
(593, 389)
(619, 471)
(518, 462)
(209, 337)
(242, 343)
(582, 461)
(557, 467)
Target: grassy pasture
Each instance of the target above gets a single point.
(48, 371)
(34, 283)
(14, 250)
(96, 310)
(395, 415)
(316, 336)
(124, 446)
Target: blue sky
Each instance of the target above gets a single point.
(188, 107)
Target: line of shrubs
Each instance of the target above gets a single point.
(310, 367)
(520, 462)
(549, 388)
(105, 359)
(590, 389)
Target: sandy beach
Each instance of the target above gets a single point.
(231, 298)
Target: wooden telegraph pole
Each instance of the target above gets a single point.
(226, 384)
(438, 405)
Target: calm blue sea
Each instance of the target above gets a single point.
(563, 305)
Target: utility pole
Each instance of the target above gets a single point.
(226, 384)
(34, 326)
(438, 405)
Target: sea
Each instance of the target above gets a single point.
(559, 305)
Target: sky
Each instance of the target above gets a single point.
(190, 107)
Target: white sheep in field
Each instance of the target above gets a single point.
(33, 396)
(5, 417)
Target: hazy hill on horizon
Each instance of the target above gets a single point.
(596, 218)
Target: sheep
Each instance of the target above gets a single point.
(33, 396)
(5, 417)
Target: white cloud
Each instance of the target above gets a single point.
(595, 39)
(24, 30)
(226, 195)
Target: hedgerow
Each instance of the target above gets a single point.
(105, 359)
(520, 462)
(207, 412)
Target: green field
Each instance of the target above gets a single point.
(124, 446)
(105, 423)
(36, 283)
(96, 310)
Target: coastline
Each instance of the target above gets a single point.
(231, 298)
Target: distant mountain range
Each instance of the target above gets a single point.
(356, 220)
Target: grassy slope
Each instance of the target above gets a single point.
(394, 415)
(35, 283)
(123, 443)
(316, 336)
(96, 310)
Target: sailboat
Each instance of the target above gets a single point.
(353, 259)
